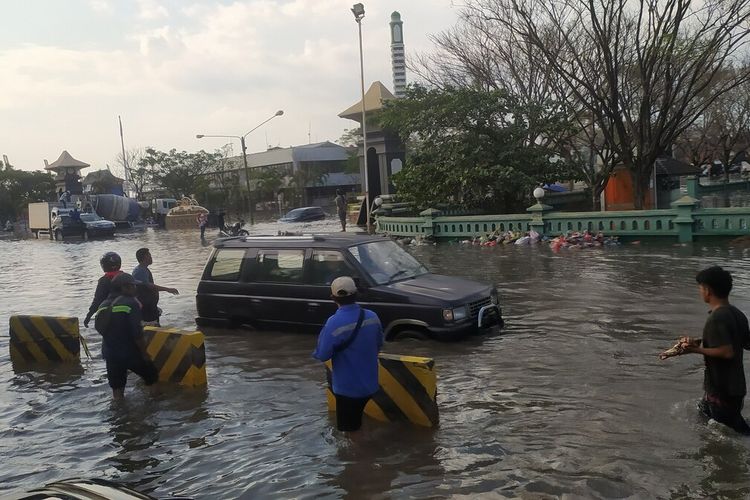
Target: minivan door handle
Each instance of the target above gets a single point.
(313, 304)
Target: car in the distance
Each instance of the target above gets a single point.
(304, 214)
(96, 226)
(283, 282)
(88, 225)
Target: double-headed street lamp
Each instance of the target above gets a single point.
(359, 13)
(244, 157)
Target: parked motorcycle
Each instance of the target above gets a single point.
(234, 230)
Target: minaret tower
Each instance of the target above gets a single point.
(398, 60)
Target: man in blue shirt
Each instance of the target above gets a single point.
(351, 339)
(148, 291)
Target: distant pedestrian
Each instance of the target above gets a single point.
(202, 220)
(118, 320)
(351, 339)
(725, 335)
(147, 290)
(111, 263)
(341, 208)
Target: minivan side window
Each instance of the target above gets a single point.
(326, 266)
(280, 266)
(227, 264)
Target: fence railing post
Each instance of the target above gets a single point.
(428, 226)
(684, 220)
(693, 186)
(538, 212)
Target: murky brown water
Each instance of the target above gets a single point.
(569, 401)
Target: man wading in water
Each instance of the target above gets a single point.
(725, 334)
(351, 339)
(123, 344)
(148, 291)
(111, 264)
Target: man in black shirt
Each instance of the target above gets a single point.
(725, 335)
(118, 320)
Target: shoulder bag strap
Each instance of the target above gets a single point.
(353, 336)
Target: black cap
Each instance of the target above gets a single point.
(122, 280)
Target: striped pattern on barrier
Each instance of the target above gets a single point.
(44, 339)
(408, 391)
(180, 356)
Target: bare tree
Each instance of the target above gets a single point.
(132, 168)
(645, 70)
(721, 132)
(480, 52)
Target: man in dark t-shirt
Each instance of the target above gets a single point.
(725, 335)
(147, 290)
(118, 320)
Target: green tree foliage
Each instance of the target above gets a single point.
(181, 173)
(471, 147)
(18, 188)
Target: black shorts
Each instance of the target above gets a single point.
(342, 216)
(349, 412)
(117, 371)
(727, 411)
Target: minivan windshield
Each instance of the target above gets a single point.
(386, 261)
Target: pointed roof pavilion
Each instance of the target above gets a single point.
(66, 161)
(374, 97)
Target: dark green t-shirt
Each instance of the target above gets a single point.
(725, 377)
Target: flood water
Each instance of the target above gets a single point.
(569, 401)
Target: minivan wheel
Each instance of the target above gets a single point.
(410, 334)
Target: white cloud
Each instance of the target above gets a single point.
(207, 68)
(101, 6)
(151, 9)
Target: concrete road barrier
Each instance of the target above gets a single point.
(44, 339)
(408, 391)
(179, 355)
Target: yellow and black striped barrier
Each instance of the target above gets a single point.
(44, 339)
(179, 355)
(408, 391)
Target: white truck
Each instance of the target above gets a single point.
(40, 217)
(160, 207)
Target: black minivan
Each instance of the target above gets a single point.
(283, 282)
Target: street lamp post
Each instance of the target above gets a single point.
(244, 158)
(359, 13)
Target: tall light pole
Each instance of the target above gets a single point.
(244, 157)
(359, 13)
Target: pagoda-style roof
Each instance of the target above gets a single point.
(102, 176)
(66, 161)
(374, 97)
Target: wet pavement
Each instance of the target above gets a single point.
(570, 400)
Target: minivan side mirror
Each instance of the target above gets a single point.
(358, 282)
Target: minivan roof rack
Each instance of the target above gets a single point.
(288, 237)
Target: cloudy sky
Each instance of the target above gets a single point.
(176, 68)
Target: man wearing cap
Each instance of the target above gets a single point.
(118, 320)
(351, 339)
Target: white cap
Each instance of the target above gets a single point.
(343, 286)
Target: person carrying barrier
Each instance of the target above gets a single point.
(725, 335)
(118, 321)
(147, 290)
(351, 339)
(111, 263)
